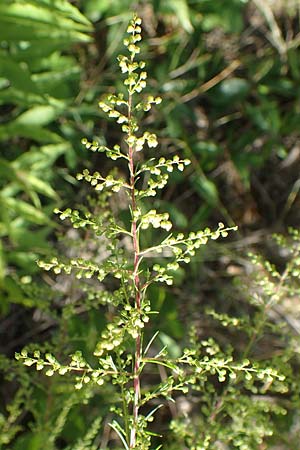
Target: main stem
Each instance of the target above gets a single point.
(137, 292)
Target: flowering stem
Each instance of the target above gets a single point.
(137, 289)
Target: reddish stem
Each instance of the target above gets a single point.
(137, 298)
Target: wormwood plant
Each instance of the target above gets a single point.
(126, 352)
(255, 411)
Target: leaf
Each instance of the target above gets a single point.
(161, 362)
(4, 83)
(26, 240)
(173, 348)
(59, 83)
(181, 10)
(35, 52)
(26, 180)
(37, 185)
(229, 17)
(15, 95)
(94, 9)
(16, 33)
(120, 432)
(38, 14)
(36, 133)
(26, 261)
(18, 74)
(234, 89)
(70, 11)
(7, 170)
(266, 116)
(207, 189)
(25, 210)
(38, 116)
(13, 290)
(42, 158)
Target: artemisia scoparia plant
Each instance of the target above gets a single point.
(122, 353)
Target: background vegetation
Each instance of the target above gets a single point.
(228, 72)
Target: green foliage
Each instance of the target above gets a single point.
(230, 96)
(226, 414)
(229, 84)
(126, 352)
(132, 268)
(39, 81)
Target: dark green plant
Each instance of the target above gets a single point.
(126, 351)
(246, 415)
(39, 80)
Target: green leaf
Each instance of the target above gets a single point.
(41, 158)
(38, 116)
(70, 11)
(94, 9)
(39, 185)
(59, 83)
(22, 97)
(207, 190)
(18, 74)
(36, 133)
(38, 14)
(4, 83)
(27, 240)
(182, 12)
(25, 210)
(27, 32)
(172, 346)
(26, 179)
(233, 89)
(7, 170)
(30, 441)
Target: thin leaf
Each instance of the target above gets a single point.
(120, 432)
(25, 210)
(152, 412)
(150, 343)
(26, 12)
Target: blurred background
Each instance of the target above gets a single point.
(228, 72)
